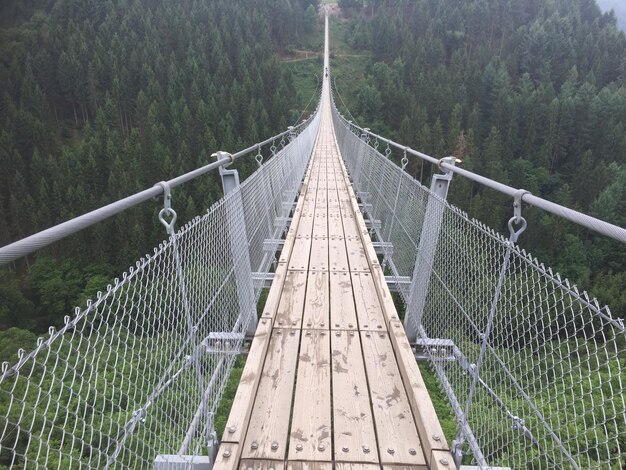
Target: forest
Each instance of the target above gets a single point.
(530, 93)
(103, 99)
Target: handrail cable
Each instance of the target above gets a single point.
(25, 246)
(597, 225)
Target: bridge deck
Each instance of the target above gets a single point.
(330, 379)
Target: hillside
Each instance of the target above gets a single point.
(103, 99)
(532, 94)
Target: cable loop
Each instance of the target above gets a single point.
(259, 156)
(167, 211)
(387, 151)
(515, 233)
(405, 161)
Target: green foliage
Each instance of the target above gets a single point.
(531, 94)
(103, 99)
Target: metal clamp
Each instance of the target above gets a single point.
(167, 210)
(449, 160)
(221, 154)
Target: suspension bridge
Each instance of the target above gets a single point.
(532, 368)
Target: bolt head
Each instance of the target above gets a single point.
(345, 449)
(298, 447)
(436, 437)
(254, 445)
(226, 454)
(366, 449)
(231, 429)
(412, 451)
(391, 451)
(444, 462)
(321, 447)
(274, 445)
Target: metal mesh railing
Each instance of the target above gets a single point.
(140, 370)
(535, 370)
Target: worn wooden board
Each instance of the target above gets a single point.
(398, 440)
(305, 224)
(441, 460)
(428, 426)
(368, 308)
(319, 254)
(338, 254)
(247, 464)
(350, 228)
(310, 434)
(269, 423)
(405, 467)
(317, 301)
(342, 309)
(354, 435)
(356, 466)
(335, 227)
(244, 397)
(291, 305)
(320, 223)
(227, 457)
(356, 255)
(299, 259)
(309, 465)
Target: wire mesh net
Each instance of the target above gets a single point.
(533, 368)
(140, 370)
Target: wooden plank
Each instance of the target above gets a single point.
(335, 227)
(338, 254)
(354, 435)
(356, 466)
(244, 397)
(291, 305)
(309, 466)
(305, 224)
(269, 424)
(319, 254)
(317, 301)
(368, 308)
(428, 426)
(247, 464)
(299, 259)
(356, 255)
(405, 467)
(342, 309)
(441, 460)
(320, 223)
(310, 435)
(350, 228)
(398, 440)
(227, 456)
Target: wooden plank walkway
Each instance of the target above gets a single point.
(330, 380)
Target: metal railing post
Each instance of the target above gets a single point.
(239, 245)
(426, 251)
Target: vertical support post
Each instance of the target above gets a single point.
(239, 245)
(426, 251)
